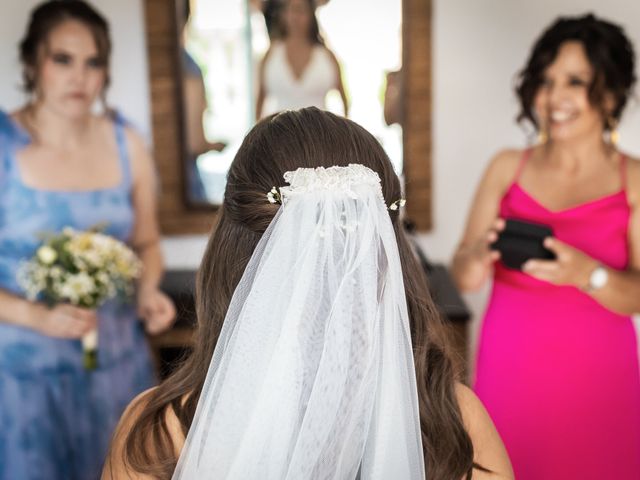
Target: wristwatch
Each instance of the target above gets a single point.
(598, 279)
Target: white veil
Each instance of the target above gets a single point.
(313, 374)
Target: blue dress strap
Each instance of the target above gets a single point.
(189, 65)
(12, 137)
(120, 125)
(12, 134)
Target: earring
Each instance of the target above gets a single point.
(542, 136)
(614, 135)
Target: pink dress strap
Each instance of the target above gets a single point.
(623, 171)
(523, 161)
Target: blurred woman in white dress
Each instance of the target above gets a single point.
(298, 70)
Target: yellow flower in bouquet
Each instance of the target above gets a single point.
(83, 268)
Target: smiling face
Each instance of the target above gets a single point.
(71, 75)
(562, 102)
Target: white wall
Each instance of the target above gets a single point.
(478, 47)
(129, 91)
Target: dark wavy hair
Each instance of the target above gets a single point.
(284, 142)
(609, 51)
(44, 19)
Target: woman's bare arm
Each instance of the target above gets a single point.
(16, 310)
(153, 305)
(340, 83)
(262, 93)
(472, 261)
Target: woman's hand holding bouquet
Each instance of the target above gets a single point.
(74, 273)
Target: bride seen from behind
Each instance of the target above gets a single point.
(319, 352)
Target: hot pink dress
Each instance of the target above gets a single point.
(558, 372)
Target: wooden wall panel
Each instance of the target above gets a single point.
(416, 61)
(176, 218)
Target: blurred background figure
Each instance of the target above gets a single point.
(217, 71)
(243, 47)
(557, 364)
(393, 98)
(64, 166)
(194, 108)
(298, 70)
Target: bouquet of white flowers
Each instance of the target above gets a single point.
(81, 268)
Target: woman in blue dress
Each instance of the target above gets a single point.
(61, 165)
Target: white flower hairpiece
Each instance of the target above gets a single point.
(305, 180)
(397, 204)
(274, 196)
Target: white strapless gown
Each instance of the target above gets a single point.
(286, 92)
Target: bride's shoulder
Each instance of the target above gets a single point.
(138, 406)
(116, 465)
(488, 449)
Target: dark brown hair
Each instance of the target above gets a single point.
(609, 51)
(273, 11)
(284, 142)
(44, 19)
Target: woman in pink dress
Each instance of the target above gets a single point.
(557, 364)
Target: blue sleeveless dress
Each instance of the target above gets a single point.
(56, 418)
